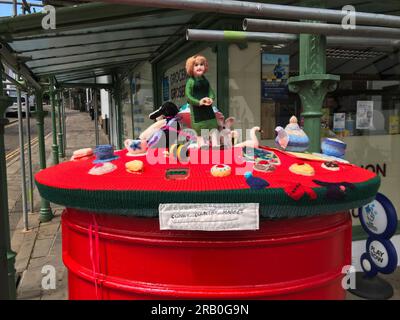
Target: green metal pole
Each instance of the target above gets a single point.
(61, 153)
(28, 134)
(7, 256)
(111, 121)
(313, 84)
(53, 121)
(132, 107)
(118, 103)
(45, 210)
(64, 122)
(223, 78)
(96, 116)
(157, 85)
(22, 161)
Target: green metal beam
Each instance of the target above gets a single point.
(82, 76)
(81, 46)
(92, 72)
(90, 67)
(85, 32)
(49, 65)
(78, 54)
(90, 39)
(86, 85)
(73, 17)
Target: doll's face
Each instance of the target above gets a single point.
(198, 68)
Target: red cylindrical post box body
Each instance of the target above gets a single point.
(118, 257)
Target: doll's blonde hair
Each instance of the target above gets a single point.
(192, 60)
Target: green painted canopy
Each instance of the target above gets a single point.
(93, 39)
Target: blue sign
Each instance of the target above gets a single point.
(379, 220)
(275, 73)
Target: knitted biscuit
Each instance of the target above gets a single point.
(82, 154)
(303, 169)
(135, 166)
(102, 168)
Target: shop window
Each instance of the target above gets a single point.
(362, 108)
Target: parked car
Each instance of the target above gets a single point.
(12, 111)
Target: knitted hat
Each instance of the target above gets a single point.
(104, 153)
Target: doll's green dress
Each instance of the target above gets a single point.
(202, 117)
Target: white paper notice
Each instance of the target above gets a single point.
(365, 113)
(209, 216)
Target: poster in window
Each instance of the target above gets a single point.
(275, 73)
(339, 121)
(365, 112)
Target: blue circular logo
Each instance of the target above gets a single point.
(379, 217)
(382, 254)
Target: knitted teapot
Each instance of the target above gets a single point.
(292, 138)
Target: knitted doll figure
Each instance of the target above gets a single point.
(200, 97)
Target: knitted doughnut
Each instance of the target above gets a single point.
(182, 152)
(221, 170)
(330, 165)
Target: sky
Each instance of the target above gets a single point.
(7, 9)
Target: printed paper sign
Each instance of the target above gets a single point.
(209, 216)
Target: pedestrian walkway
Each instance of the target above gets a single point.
(39, 249)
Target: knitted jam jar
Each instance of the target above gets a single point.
(333, 147)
